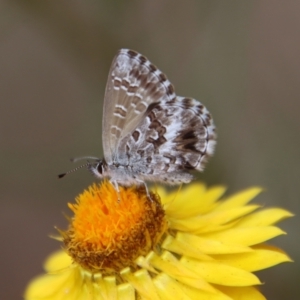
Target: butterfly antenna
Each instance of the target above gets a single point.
(73, 170)
(76, 159)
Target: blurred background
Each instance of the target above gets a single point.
(240, 58)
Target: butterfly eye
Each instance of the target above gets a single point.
(100, 167)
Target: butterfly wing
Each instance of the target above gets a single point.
(173, 137)
(134, 84)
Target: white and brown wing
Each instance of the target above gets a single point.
(173, 138)
(133, 84)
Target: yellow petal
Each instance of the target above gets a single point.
(265, 217)
(242, 293)
(222, 274)
(170, 289)
(183, 248)
(58, 260)
(239, 199)
(246, 236)
(108, 287)
(144, 262)
(208, 201)
(126, 292)
(209, 246)
(168, 264)
(89, 290)
(58, 286)
(162, 192)
(142, 282)
(189, 193)
(185, 198)
(262, 257)
(208, 221)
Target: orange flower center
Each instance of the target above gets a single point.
(106, 234)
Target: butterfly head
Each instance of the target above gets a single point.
(98, 168)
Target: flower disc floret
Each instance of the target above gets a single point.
(110, 230)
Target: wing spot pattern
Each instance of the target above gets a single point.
(120, 111)
(170, 90)
(162, 77)
(152, 68)
(132, 53)
(114, 130)
(141, 106)
(142, 59)
(136, 135)
(125, 84)
(172, 159)
(116, 83)
(137, 98)
(132, 89)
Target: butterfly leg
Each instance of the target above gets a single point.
(146, 188)
(116, 187)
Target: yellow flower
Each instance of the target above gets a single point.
(187, 244)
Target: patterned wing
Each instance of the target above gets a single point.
(133, 84)
(172, 138)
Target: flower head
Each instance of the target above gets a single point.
(106, 234)
(187, 244)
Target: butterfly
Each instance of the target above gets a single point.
(148, 132)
